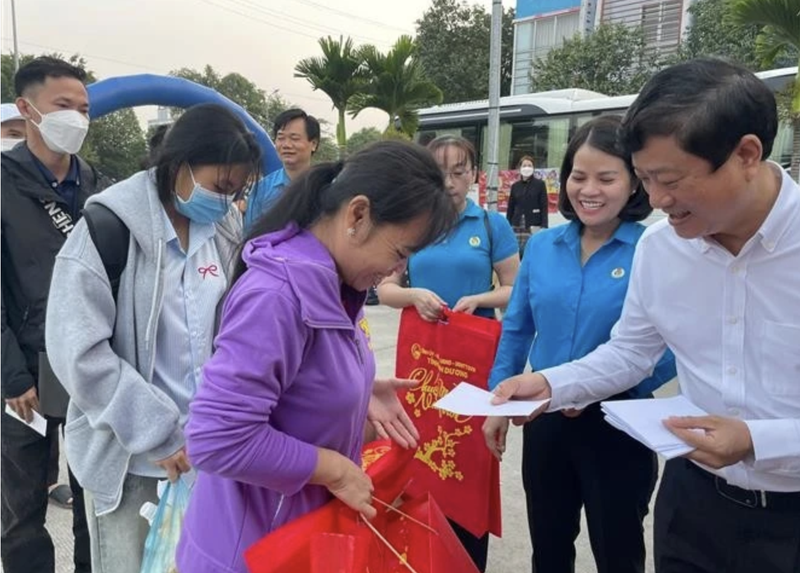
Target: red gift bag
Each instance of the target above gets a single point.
(334, 527)
(333, 553)
(416, 538)
(431, 549)
(452, 461)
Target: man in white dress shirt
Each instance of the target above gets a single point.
(719, 283)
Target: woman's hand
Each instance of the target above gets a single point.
(468, 304)
(175, 465)
(387, 415)
(428, 304)
(345, 480)
(495, 429)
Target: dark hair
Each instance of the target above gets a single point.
(525, 158)
(464, 145)
(153, 145)
(460, 143)
(205, 134)
(157, 137)
(400, 179)
(603, 133)
(312, 125)
(39, 69)
(708, 104)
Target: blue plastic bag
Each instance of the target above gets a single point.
(165, 530)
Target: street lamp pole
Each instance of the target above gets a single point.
(14, 34)
(493, 171)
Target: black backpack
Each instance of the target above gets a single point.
(111, 238)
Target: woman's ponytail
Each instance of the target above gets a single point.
(302, 202)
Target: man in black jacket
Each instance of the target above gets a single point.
(44, 186)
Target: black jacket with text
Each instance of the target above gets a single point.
(32, 233)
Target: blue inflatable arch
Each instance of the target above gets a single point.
(112, 94)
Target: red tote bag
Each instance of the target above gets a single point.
(452, 461)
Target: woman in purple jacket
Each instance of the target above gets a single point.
(277, 427)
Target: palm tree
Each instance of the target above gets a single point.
(338, 73)
(781, 32)
(397, 85)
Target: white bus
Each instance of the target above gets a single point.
(541, 124)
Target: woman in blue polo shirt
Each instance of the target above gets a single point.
(457, 272)
(568, 295)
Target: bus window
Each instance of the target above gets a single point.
(583, 118)
(782, 147)
(544, 138)
(526, 139)
(469, 132)
(557, 142)
(503, 147)
(425, 137)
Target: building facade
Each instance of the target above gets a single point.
(542, 25)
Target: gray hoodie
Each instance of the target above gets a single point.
(115, 411)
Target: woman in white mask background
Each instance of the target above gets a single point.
(12, 126)
(132, 365)
(528, 203)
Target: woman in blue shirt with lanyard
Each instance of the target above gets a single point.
(568, 295)
(457, 272)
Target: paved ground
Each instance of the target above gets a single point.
(511, 554)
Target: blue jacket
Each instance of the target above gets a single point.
(561, 310)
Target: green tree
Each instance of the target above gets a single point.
(276, 105)
(397, 84)
(363, 138)
(506, 51)
(7, 81)
(327, 150)
(115, 144)
(711, 33)
(8, 71)
(339, 74)
(118, 142)
(236, 88)
(612, 60)
(780, 34)
(453, 42)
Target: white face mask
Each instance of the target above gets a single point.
(63, 131)
(8, 143)
(526, 171)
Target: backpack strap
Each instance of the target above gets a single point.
(111, 238)
(490, 237)
(489, 232)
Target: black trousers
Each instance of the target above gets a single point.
(701, 528)
(26, 545)
(52, 464)
(477, 547)
(570, 463)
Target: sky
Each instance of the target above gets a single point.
(260, 39)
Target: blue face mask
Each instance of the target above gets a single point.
(203, 206)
